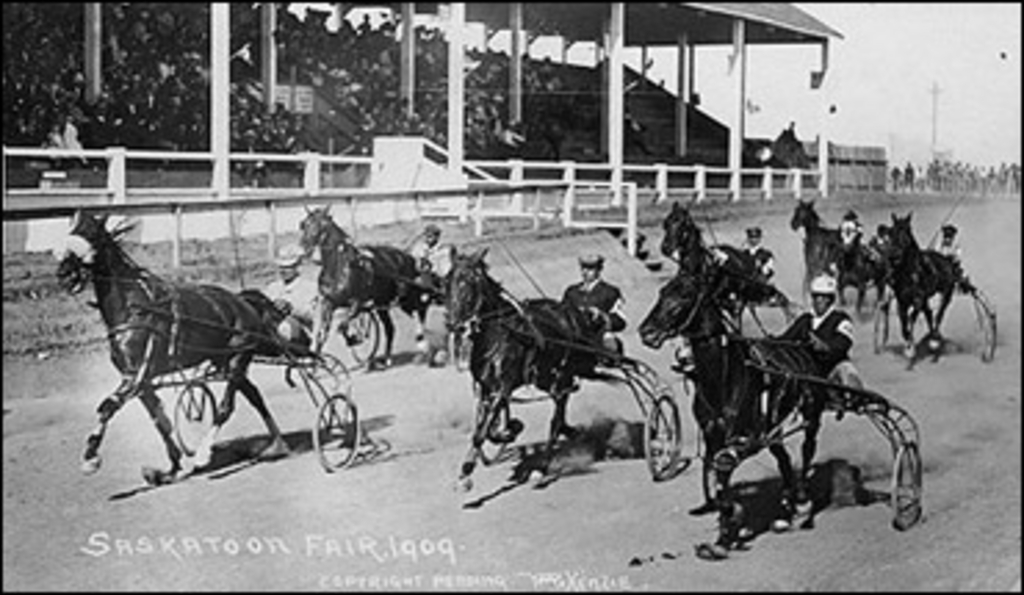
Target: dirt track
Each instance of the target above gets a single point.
(394, 522)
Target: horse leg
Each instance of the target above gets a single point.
(322, 324)
(91, 459)
(907, 319)
(807, 451)
(422, 345)
(222, 413)
(486, 410)
(785, 520)
(277, 447)
(389, 335)
(730, 512)
(155, 409)
(713, 441)
(947, 296)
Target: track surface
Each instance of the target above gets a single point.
(394, 522)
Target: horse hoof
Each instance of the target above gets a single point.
(277, 449)
(463, 485)
(156, 477)
(781, 525)
(706, 508)
(711, 552)
(90, 466)
(745, 534)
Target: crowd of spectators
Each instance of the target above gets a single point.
(956, 177)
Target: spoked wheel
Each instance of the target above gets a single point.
(362, 335)
(986, 317)
(662, 437)
(336, 435)
(906, 487)
(881, 326)
(194, 414)
(332, 374)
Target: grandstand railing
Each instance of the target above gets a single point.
(577, 194)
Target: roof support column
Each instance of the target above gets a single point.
(220, 96)
(616, 99)
(739, 71)
(515, 76)
(456, 99)
(683, 91)
(407, 62)
(93, 55)
(268, 52)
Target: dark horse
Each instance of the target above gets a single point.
(916, 276)
(739, 408)
(540, 342)
(684, 243)
(356, 278)
(156, 327)
(823, 253)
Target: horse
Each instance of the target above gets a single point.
(540, 342)
(684, 242)
(355, 278)
(156, 327)
(824, 253)
(739, 408)
(916, 276)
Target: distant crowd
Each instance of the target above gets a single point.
(958, 177)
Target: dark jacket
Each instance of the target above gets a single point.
(836, 331)
(603, 296)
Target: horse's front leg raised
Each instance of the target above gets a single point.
(487, 407)
(91, 459)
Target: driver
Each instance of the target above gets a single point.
(599, 299)
(829, 331)
(295, 296)
(433, 260)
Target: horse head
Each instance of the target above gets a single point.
(678, 311)
(901, 238)
(467, 284)
(804, 216)
(681, 232)
(78, 256)
(320, 231)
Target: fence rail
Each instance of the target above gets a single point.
(577, 194)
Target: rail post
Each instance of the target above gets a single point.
(798, 183)
(271, 230)
(661, 182)
(516, 177)
(767, 183)
(176, 239)
(117, 174)
(478, 220)
(631, 220)
(311, 173)
(701, 182)
(536, 208)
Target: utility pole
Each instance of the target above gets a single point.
(935, 90)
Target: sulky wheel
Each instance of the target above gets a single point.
(987, 326)
(906, 487)
(881, 326)
(362, 335)
(336, 435)
(662, 437)
(332, 375)
(194, 415)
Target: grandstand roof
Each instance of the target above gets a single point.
(654, 24)
(651, 23)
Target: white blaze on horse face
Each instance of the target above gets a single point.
(77, 245)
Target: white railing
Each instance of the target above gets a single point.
(579, 194)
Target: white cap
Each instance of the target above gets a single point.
(290, 255)
(823, 284)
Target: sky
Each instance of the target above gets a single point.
(880, 79)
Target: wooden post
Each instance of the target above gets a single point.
(271, 230)
(176, 240)
(661, 182)
(700, 182)
(767, 183)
